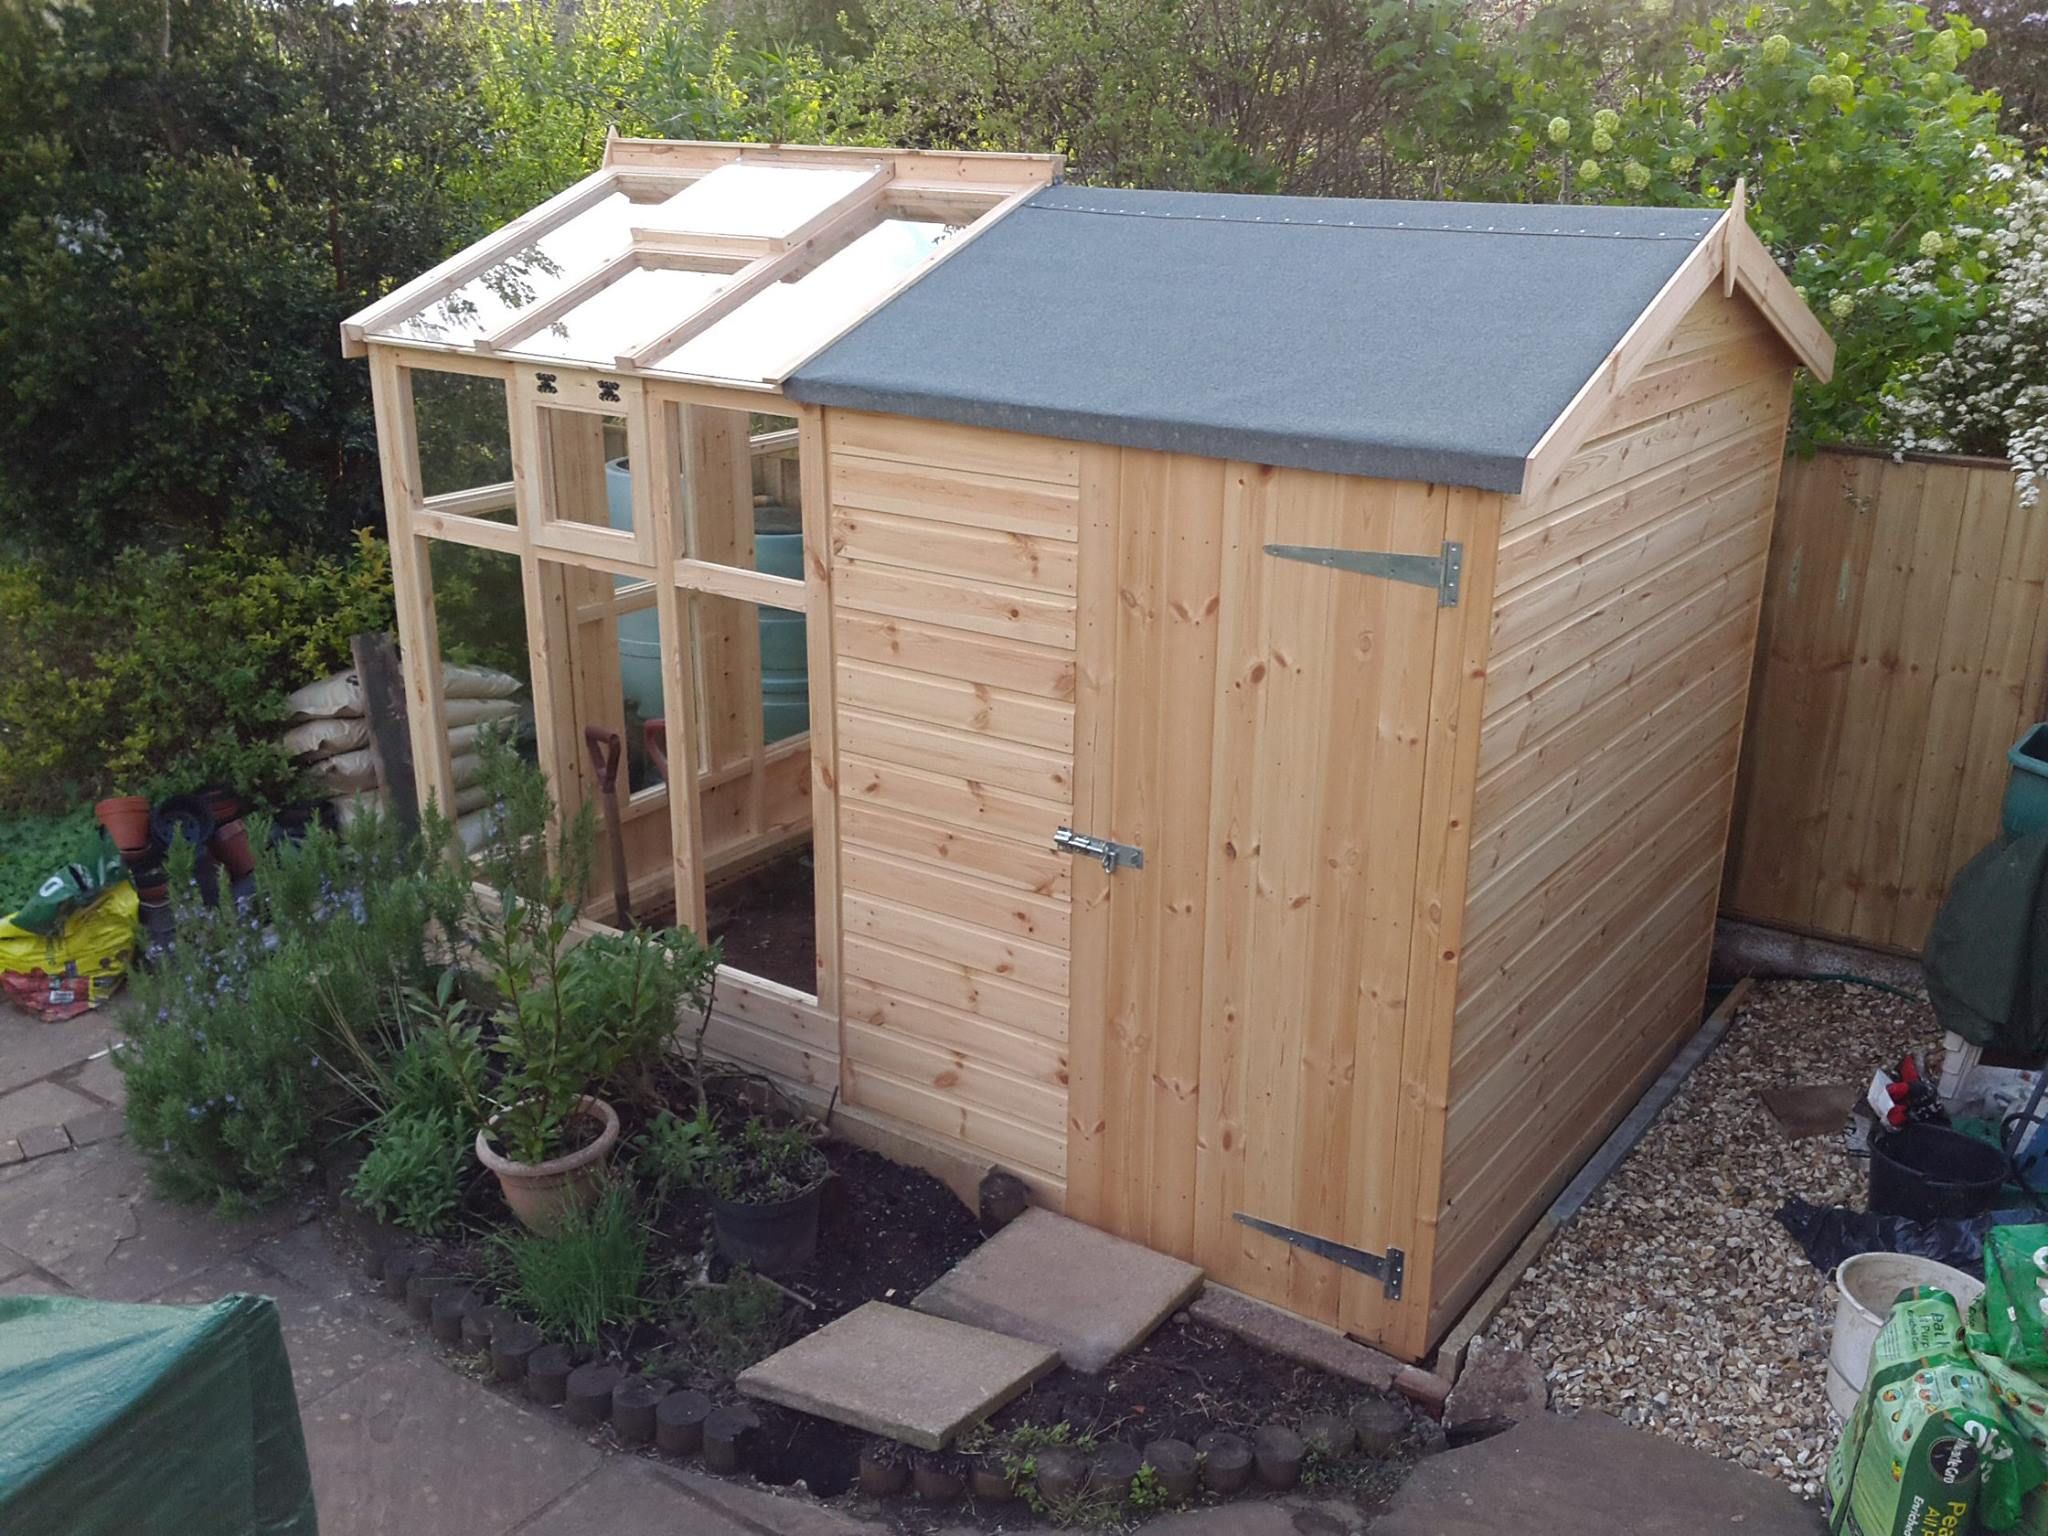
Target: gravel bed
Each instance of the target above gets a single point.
(1674, 1300)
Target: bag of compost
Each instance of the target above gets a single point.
(2016, 1295)
(2024, 1397)
(1927, 1451)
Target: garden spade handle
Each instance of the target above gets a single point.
(604, 757)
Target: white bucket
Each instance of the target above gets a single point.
(1866, 1285)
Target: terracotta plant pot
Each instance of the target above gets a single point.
(540, 1194)
(126, 819)
(230, 845)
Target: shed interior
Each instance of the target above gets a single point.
(1385, 574)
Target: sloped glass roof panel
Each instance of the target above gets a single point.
(767, 201)
(531, 276)
(782, 324)
(618, 318)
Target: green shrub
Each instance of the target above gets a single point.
(411, 1176)
(588, 1273)
(170, 670)
(33, 847)
(722, 1329)
(672, 1151)
(764, 1163)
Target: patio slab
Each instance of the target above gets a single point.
(1058, 1283)
(899, 1373)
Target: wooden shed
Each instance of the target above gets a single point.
(1246, 690)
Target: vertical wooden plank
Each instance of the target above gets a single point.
(656, 456)
(545, 594)
(412, 577)
(1096, 692)
(718, 486)
(815, 504)
(1457, 697)
(382, 677)
(1190, 530)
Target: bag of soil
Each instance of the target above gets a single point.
(2024, 1397)
(1928, 1449)
(2016, 1295)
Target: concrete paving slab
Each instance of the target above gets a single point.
(102, 1079)
(1056, 1282)
(30, 1049)
(100, 1125)
(41, 1104)
(33, 1284)
(899, 1373)
(93, 1224)
(1557, 1476)
(43, 1141)
(327, 1345)
(628, 1496)
(411, 1447)
(760, 1510)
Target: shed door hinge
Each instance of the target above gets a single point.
(1387, 1268)
(1114, 856)
(1445, 572)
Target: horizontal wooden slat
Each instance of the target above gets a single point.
(971, 707)
(1028, 1055)
(888, 969)
(735, 1040)
(1024, 560)
(957, 1074)
(1026, 507)
(1035, 965)
(976, 450)
(950, 799)
(1041, 671)
(939, 749)
(1687, 381)
(1029, 1148)
(1002, 909)
(1034, 868)
(978, 607)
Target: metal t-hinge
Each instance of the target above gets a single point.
(1387, 1268)
(1114, 856)
(1445, 572)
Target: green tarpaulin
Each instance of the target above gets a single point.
(120, 1420)
(1987, 953)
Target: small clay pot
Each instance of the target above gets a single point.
(1177, 1467)
(512, 1345)
(679, 1422)
(1329, 1435)
(449, 1310)
(547, 1373)
(541, 1193)
(988, 1483)
(587, 1395)
(1226, 1462)
(1062, 1474)
(936, 1477)
(126, 820)
(479, 1325)
(1112, 1468)
(400, 1265)
(230, 845)
(732, 1435)
(634, 1400)
(1380, 1424)
(884, 1473)
(421, 1290)
(1277, 1454)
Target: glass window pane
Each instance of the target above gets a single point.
(531, 276)
(766, 200)
(765, 336)
(628, 313)
(465, 440)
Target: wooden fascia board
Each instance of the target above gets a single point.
(1758, 276)
(919, 167)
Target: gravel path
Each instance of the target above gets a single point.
(1675, 1301)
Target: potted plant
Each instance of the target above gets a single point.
(569, 1017)
(765, 1185)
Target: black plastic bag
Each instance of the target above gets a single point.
(1828, 1234)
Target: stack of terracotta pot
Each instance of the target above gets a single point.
(210, 821)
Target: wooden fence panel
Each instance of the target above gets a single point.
(1903, 649)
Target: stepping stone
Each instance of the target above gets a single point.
(1055, 1282)
(898, 1373)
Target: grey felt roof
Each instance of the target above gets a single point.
(1421, 341)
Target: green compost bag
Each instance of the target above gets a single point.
(2016, 1295)
(1928, 1451)
(2024, 1397)
(120, 1420)
(76, 883)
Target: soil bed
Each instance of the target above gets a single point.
(1675, 1301)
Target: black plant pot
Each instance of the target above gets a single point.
(773, 1239)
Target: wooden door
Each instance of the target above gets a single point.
(1260, 727)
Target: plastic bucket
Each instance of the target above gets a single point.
(1866, 1285)
(1928, 1172)
(2026, 791)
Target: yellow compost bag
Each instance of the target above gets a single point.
(62, 974)
(1928, 1451)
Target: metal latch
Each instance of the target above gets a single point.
(1114, 856)
(1387, 1268)
(1445, 572)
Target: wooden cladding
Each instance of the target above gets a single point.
(953, 561)
(1904, 649)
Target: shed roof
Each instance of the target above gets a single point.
(1423, 341)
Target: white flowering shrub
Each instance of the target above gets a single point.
(1987, 391)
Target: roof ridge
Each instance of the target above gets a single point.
(1398, 226)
